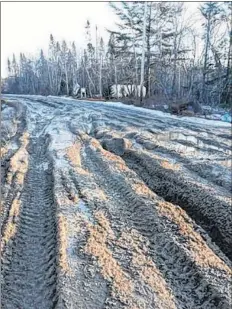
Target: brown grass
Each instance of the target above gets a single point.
(62, 230)
(202, 255)
(96, 245)
(145, 267)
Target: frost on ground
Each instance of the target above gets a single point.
(110, 206)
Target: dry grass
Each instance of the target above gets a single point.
(62, 230)
(145, 267)
(19, 161)
(202, 255)
(99, 235)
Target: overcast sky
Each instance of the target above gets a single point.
(26, 26)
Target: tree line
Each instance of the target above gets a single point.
(153, 44)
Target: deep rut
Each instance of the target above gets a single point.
(30, 270)
(195, 201)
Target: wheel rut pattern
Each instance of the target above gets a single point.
(107, 206)
(168, 254)
(30, 271)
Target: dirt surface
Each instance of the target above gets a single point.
(105, 206)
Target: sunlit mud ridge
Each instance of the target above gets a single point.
(106, 206)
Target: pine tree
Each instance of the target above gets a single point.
(211, 12)
(9, 66)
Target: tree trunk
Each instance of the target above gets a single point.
(143, 53)
(91, 82)
(116, 80)
(136, 68)
(100, 76)
(206, 59)
(66, 77)
(228, 80)
(148, 36)
(174, 68)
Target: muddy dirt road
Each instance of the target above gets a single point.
(108, 206)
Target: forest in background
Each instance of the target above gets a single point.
(154, 45)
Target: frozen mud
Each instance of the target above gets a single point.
(108, 206)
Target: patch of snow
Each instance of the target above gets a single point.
(140, 110)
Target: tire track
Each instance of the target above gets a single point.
(30, 272)
(168, 252)
(62, 254)
(207, 210)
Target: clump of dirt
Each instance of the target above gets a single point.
(116, 145)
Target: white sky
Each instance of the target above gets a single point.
(26, 26)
